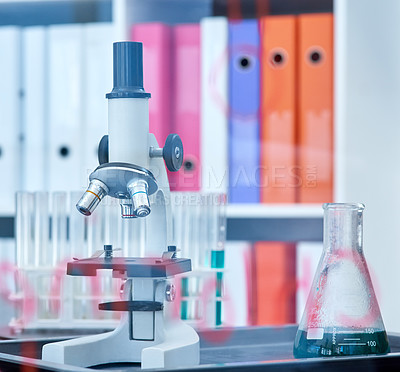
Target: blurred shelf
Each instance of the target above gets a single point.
(128, 12)
(49, 1)
(252, 222)
(6, 227)
(49, 12)
(255, 8)
(26, 1)
(286, 222)
(274, 211)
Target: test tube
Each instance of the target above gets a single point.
(7, 257)
(106, 284)
(24, 229)
(77, 241)
(43, 256)
(199, 231)
(83, 298)
(192, 309)
(218, 254)
(195, 214)
(43, 252)
(48, 287)
(24, 247)
(94, 225)
(60, 250)
(207, 227)
(82, 301)
(186, 225)
(78, 247)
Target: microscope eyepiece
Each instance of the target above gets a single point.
(96, 191)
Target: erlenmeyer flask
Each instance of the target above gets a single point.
(342, 315)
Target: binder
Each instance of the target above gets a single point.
(66, 169)
(315, 116)
(10, 109)
(244, 120)
(186, 105)
(97, 81)
(278, 112)
(237, 279)
(35, 130)
(157, 44)
(275, 282)
(214, 104)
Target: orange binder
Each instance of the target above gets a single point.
(315, 109)
(275, 283)
(278, 176)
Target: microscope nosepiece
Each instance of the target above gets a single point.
(96, 191)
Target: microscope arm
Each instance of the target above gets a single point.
(158, 222)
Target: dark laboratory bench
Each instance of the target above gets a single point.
(240, 349)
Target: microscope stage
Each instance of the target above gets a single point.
(131, 267)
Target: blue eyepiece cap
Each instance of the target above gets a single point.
(128, 71)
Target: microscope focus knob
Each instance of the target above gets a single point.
(102, 152)
(173, 152)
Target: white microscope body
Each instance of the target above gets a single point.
(133, 169)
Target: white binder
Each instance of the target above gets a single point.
(35, 131)
(97, 81)
(66, 137)
(10, 117)
(237, 283)
(214, 104)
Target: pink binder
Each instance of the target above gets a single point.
(156, 39)
(186, 105)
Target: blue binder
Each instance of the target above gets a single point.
(244, 118)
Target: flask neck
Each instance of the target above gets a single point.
(343, 227)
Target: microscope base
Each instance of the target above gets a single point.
(179, 348)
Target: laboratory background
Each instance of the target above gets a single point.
(282, 106)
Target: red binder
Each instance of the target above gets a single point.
(186, 105)
(275, 283)
(156, 39)
(315, 108)
(278, 159)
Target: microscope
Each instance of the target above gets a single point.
(132, 170)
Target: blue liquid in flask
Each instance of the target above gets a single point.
(371, 341)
